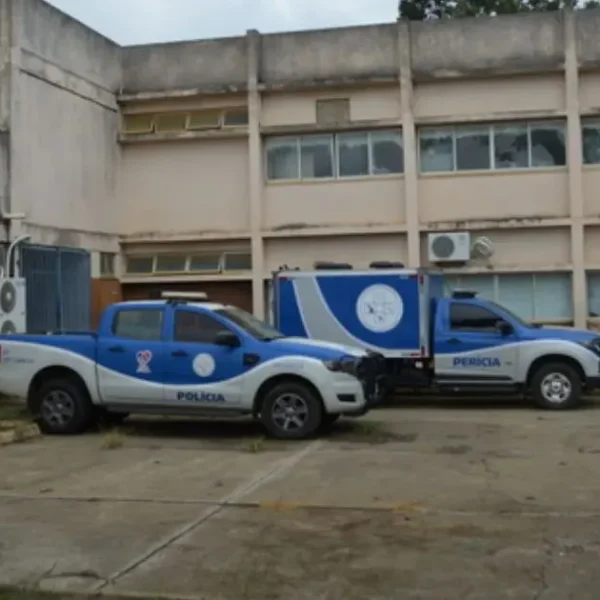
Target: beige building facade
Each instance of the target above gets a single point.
(209, 164)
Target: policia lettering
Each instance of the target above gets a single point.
(206, 397)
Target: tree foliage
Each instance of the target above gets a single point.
(420, 10)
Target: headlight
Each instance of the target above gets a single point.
(346, 364)
(592, 345)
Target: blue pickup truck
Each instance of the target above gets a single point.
(458, 344)
(180, 356)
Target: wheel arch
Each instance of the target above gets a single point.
(47, 374)
(541, 361)
(267, 385)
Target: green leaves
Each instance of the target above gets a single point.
(420, 10)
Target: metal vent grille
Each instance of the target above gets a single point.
(138, 124)
(333, 111)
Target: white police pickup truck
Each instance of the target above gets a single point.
(185, 357)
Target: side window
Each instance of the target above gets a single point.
(468, 317)
(195, 327)
(143, 325)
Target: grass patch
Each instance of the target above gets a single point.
(372, 432)
(113, 439)
(255, 446)
(13, 411)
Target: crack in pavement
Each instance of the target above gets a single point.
(279, 468)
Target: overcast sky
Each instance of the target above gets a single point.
(151, 21)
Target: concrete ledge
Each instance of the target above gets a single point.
(14, 432)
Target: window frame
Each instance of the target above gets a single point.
(335, 155)
(491, 127)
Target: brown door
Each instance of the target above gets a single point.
(104, 292)
(237, 293)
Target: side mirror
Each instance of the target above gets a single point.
(504, 327)
(227, 338)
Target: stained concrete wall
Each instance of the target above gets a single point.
(64, 124)
(443, 49)
(207, 65)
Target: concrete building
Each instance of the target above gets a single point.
(207, 164)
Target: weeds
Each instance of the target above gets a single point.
(113, 439)
(255, 446)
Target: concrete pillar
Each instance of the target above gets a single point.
(410, 145)
(255, 178)
(575, 170)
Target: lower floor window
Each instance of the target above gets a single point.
(593, 293)
(532, 296)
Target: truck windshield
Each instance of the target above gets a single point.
(249, 323)
(514, 318)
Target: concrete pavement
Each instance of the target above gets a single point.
(427, 502)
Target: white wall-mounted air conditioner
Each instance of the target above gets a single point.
(449, 247)
(13, 311)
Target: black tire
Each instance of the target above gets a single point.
(569, 396)
(299, 396)
(64, 407)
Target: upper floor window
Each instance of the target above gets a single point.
(107, 264)
(590, 134)
(340, 155)
(485, 147)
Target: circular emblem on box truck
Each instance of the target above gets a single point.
(204, 365)
(379, 308)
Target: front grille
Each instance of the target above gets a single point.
(369, 371)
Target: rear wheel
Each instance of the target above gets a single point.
(64, 407)
(291, 411)
(556, 386)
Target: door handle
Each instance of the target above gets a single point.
(454, 341)
(116, 349)
(179, 353)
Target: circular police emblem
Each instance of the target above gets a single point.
(204, 365)
(379, 308)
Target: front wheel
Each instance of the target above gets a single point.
(557, 386)
(64, 407)
(291, 411)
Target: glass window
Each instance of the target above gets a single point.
(143, 325)
(387, 152)
(249, 323)
(205, 262)
(516, 293)
(436, 150)
(195, 327)
(593, 292)
(282, 158)
(548, 147)
(353, 154)
(553, 297)
(107, 264)
(484, 285)
(591, 142)
(464, 316)
(236, 117)
(170, 263)
(237, 261)
(511, 148)
(472, 148)
(140, 264)
(316, 156)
